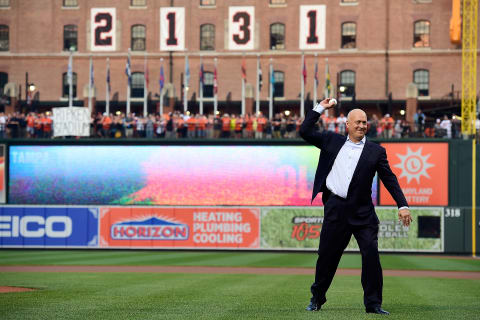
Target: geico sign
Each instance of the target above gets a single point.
(35, 226)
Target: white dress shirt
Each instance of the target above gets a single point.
(339, 178)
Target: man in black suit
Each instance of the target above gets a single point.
(344, 174)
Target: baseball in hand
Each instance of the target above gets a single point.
(332, 101)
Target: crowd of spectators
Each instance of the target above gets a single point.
(178, 125)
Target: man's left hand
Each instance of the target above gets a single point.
(404, 217)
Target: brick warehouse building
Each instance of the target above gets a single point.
(375, 49)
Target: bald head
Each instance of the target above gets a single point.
(356, 124)
(356, 112)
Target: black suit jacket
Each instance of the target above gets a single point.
(373, 159)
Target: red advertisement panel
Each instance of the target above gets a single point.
(180, 227)
(422, 171)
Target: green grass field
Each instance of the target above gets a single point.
(225, 296)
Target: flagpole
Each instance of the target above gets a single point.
(70, 79)
(185, 86)
(327, 84)
(243, 84)
(215, 90)
(90, 87)
(128, 83)
(107, 98)
(302, 93)
(270, 98)
(315, 81)
(257, 102)
(161, 87)
(201, 86)
(145, 85)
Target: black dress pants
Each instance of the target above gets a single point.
(334, 238)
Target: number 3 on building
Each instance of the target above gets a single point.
(103, 26)
(241, 28)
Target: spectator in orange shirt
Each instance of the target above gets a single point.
(249, 126)
(47, 127)
(192, 126)
(106, 124)
(31, 125)
(261, 122)
(225, 126)
(388, 124)
(38, 126)
(202, 122)
(238, 127)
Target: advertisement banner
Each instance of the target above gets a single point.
(150, 227)
(299, 229)
(422, 171)
(48, 227)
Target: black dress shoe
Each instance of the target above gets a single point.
(314, 305)
(377, 310)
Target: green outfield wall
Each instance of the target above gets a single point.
(435, 175)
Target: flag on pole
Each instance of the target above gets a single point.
(145, 72)
(260, 77)
(69, 70)
(327, 80)
(161, 81)
(244, 69)
(272, 81)
(316, 74)
(215, 82)
(304, 72)
(91, 74)
(201, 75)
(128, 71)
(187, 72)
(108, 75)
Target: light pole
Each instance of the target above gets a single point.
(29, 88)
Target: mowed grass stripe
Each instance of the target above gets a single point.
(208, 296)
(226, 259)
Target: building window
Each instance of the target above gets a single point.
(277, 36)
(138, 3)
(349, 1)
(421, 79)
(208, 85)
(278, 86)
(137, 85)
(4, 38)
(347, 84)
(421, 34)
(4, 3)
(70, 3)
(66, 86)
(70, 36)
(207, 37)
(349, 35)
(276, 2)
(3, 82)
(138, 38)
(207, 2)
